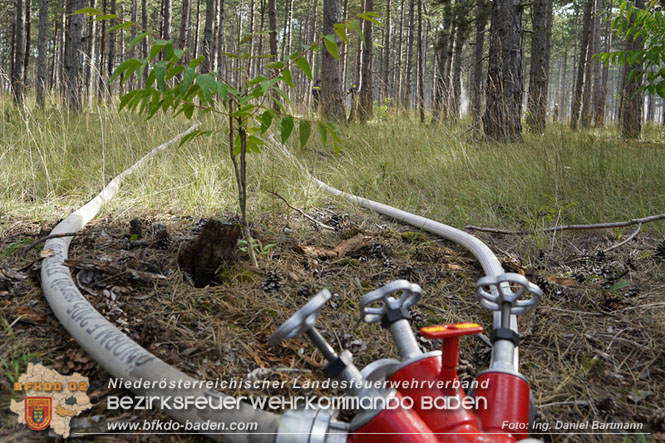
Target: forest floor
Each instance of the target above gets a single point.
(592, 351)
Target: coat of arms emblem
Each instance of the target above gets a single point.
(38, 412)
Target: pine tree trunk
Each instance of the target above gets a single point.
(332, 105)
(421, 64)
(632, 102)
(73, 68)
(477, 70)
(581, 68)
(144, 42)
(385, 69)
(460, 39)
(409, 60)
(208, 32)
(502, 119)
(28, 27)
(221, 67)
(166, 19)
(590, 81)
(110, 60)
(540, 65)
(366, 109)
(184, 25)
(41, 47)
(599, 107)
(18, 85)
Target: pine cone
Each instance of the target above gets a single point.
(72, 361)
(272, 282)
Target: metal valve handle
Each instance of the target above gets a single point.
(303, 319)
(411, 293)
(501, 291)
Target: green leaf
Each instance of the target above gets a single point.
(266, 120)
(124, 100)
(368, 16)
(188, 109)
(190, 136)
(286, 128)
(323, 131)
(122, 67)
(125, 25)
(356, 28)
(340, 30)
(275, 65)
(160, 75)
(294, 55)
(138, 38)
(186, 81)
(89, 11)
(304, 66)
(156, 48)
(197, 61)
(222, 91)
(286, 75)
(105, 17)
(208, 86)
(254, 143)
(660, 89)
(331, 45)
(304, 130)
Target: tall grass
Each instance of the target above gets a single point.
(52, 161)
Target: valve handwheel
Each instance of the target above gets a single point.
(494, 291)
(303, 320)
(410, 294)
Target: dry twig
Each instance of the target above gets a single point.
(303, 213)
(634, 221)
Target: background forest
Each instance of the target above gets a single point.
(431, 56)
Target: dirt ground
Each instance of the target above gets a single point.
(592, 351)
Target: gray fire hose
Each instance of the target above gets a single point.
(120, 355)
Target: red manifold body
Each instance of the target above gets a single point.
(507, 398)
(394, 426)
(499, 412)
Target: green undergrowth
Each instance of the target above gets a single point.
(51, 162)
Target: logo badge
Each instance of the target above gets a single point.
(38, 412)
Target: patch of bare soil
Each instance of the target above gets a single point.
(592, 351)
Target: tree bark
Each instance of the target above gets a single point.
(28, 27)
(421, 64)
(632, 102)
(332, 104)
(477, 70)
(184, 24)
(166, 19)
(18, 85)
(441, 57)
(220, 40)
(385, 69)
(73, 65)
(110, 60)
(539, 75)
(581, 68)
(41, 47)
(502, 119)
(409, 59)
(366, 108)
(599, 106)
(208, 36)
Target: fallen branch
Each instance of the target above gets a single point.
(303, 213)
(634, 221)
(639, 226)
(43, 239)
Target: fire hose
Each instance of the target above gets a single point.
(505, 390)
